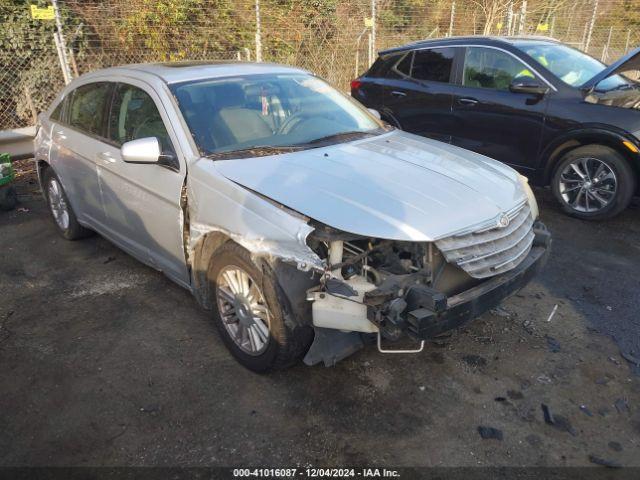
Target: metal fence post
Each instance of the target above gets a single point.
(373, 31)
(591, 24)
(258, 34)
(452, 18)
(605, 49)
(61, 45)
(523, 17)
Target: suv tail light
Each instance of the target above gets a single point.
(355, 84)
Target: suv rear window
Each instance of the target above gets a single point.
(382, 65)
(433, 64)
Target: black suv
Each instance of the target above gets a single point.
(557, 115)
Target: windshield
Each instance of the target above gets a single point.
(570, 65)
(268, 112)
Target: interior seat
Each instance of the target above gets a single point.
(234, 123)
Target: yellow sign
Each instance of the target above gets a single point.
(368, 22)
(542, 27)
(499, 25)
(38, 13)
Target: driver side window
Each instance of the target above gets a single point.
(135, 115)
(491, 68)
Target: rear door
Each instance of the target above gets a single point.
(76, 139)
(419, 92)
(492, 120)
(142, 202)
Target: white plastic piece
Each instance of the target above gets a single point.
(381, 350)
(348, 314)
(336, 249)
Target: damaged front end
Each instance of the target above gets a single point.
(391, 289)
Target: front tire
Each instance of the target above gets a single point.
(249, 315)
(593, 182)
(63, 216)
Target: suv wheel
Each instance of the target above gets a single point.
(593, 182)
(61, 211)
(249, 315)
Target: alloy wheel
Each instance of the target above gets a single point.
(243, 310)
(588, 185)
(58, 204)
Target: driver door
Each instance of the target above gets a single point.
(492, 120)
(142, 201)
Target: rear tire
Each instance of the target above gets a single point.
(246, 309)
(61, 212)
(593, 182)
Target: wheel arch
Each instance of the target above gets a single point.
(201, 256)
(291, 284)
(41, 166)
(590, 136)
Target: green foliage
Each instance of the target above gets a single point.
(172, 28)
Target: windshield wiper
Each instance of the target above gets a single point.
(254, 150)
(338, 136)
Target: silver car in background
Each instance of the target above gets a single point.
(305, 224)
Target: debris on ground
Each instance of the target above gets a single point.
(543, 379)
(490, 433)
(584, 409)
(553, 344)
(553, 312)
(515, 394)
(615, 446)
(621, 405)
(501, 312)
(604, 462)
(109, 260)
(557, 421)
(533, 440)
(629, 357)
(475, 360)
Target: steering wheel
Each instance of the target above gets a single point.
(292, 122)
(148, 124)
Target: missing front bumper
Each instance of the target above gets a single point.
(424, 323)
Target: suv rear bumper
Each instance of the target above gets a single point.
(467, 305)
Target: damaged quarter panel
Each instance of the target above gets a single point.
(217, 205)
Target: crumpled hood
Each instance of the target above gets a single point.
(395, 186)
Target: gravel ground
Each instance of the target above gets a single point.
(105, 362)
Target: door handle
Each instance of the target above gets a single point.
(59, 135)
(106, 157)
(397, 93)
(467, 101)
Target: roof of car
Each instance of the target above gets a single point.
(480, 39)
(175, 72)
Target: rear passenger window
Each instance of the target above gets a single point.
(381, 66)
(88, 107)
(433, 64)
(404, 66)
(58, 112)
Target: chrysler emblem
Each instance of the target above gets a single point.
(503, 221)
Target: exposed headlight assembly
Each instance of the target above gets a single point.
(531, 198)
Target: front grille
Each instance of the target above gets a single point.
(491, 249)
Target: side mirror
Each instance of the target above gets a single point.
(528, 85)
(142, 150)
(375, 113)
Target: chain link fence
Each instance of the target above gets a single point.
(336, 39)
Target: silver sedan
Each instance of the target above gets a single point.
(304, 223)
